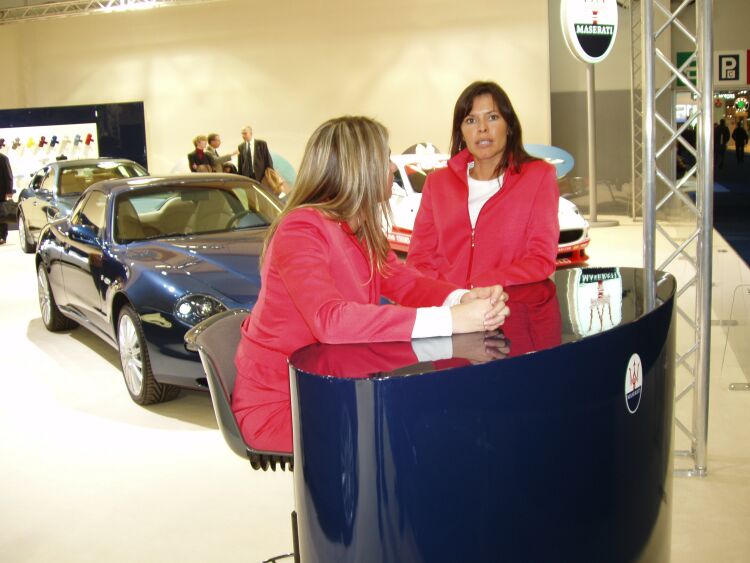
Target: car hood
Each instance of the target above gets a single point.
(569, 216)
(224, 265)
(64, 204)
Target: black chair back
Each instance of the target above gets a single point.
(216, 340)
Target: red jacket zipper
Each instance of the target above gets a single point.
(473, 229)
(471, 260)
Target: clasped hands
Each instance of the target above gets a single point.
(480, 309)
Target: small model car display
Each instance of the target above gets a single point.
(54, 189)
(139, 261)
(409, 180)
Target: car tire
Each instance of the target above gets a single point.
(135, 362)
(27, 245)
(52, 318)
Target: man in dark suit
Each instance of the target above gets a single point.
(254, 156)
(214, 142)
(740, 140)
(6, 190)
(721, 138)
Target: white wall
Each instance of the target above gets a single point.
(10, 86)
(730, 26)
(285, 67)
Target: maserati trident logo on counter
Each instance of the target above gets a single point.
(589, 27)
(633, 383)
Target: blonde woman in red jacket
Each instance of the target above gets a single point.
(490, 216)
(326, 263)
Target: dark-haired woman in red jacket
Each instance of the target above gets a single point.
(490, 216)
(326, 264)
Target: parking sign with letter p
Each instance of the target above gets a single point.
(730, 68)
(729, 65)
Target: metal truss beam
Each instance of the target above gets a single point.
(658, 174)
(70, 8)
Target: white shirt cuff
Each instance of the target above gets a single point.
(433, 349)
(432, 321)
(454, 297)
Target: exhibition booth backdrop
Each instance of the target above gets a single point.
(284, 68)
(34, 137)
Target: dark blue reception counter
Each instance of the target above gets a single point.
(548, 442)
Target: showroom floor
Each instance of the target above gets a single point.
(87, 475)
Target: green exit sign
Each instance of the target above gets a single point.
(690, 71)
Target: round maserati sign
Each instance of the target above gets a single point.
(589, 27)
(633, 383)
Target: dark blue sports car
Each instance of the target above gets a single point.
(139, 261)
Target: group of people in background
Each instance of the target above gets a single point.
(253, 157)
(205, 156)
(721, 139)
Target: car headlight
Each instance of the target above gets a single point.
(195, 308)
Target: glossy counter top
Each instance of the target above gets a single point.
(550, 441)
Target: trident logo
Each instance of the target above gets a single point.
(633, 373)
(601, 305)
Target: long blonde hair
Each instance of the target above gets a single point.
(344, 174)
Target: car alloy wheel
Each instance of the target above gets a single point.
(52, 318)
(23, 235)
(136, 365)
(130, 355)
(45, 297)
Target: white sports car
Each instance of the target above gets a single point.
(409, 180)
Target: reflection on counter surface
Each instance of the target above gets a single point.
(543, 315)
(559, 451)
(534, 324)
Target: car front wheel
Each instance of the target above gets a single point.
(52, 318)
(136, 366)
(27, 245)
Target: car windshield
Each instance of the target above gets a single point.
(176, 211)
(418, 174)
(74, 180)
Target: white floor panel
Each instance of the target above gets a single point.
(87, 475)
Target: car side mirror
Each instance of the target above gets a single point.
(84, 233)
(398, 190)
(53, 213)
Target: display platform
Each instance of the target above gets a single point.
(558, 451)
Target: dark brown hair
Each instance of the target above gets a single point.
(514, 153)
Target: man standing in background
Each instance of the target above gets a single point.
(254, 156)
(6, 191)
(721, 138)
(214, 142)
(740, 140)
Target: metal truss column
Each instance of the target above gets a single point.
(636, 105)
(665, 196)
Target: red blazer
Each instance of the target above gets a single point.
(516, 233)
(316, 287)
(265, 415)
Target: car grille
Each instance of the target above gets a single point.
(570, 235)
